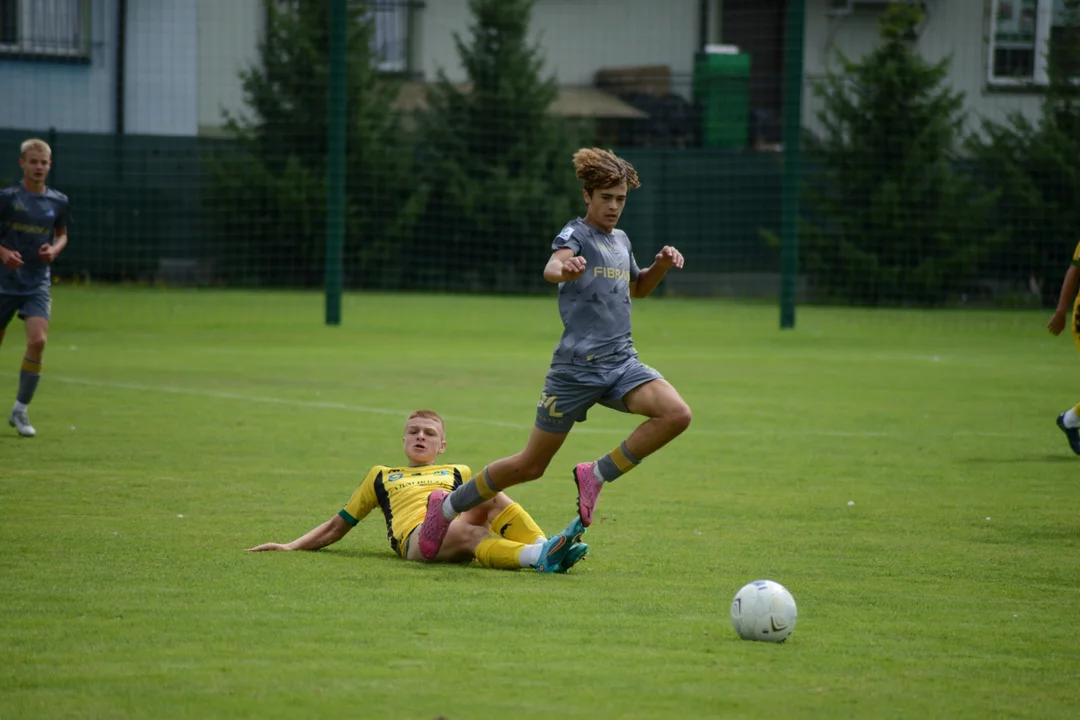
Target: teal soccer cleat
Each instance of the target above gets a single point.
(574, 531)
(576, 553)
(553, 556)
(554, 553)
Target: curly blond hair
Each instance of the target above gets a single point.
(599, 169)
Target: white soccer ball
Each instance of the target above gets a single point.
(763, 610)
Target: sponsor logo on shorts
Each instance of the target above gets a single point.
(548, 401)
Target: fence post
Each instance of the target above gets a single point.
(789, 214)
(335, 159)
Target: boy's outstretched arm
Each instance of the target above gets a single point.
(1068, 293)
(650, 277)
(326, 534)
(563, 266)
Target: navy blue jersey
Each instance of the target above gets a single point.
(29, 220)
(595, 308)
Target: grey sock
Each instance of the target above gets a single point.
(607, 468)
(468, 496)
(465, 497)
(28, 382)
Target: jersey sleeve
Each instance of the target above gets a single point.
(464, 473)
(63, 218)
(1076, 255)
(634, 269)
(568, 238)
(363, 499)
(5, 208)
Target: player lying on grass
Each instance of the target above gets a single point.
(498, 533)
(595, 360)
(1069, 421)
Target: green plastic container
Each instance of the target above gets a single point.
(722, 89)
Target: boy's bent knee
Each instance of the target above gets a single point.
(681, 417)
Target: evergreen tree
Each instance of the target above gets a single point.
(892, 219)
(497, 166)
(269, 194)
(1037, 168)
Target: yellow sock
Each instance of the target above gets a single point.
(515, 523)
(497, 552)
(484, 486)
(1077, 409)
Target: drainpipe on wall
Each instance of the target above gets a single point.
(703, 24)
(121, 70)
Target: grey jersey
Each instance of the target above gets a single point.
(27, 221)
(595, 308)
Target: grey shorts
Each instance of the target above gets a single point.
(570, 390)
(36, 304)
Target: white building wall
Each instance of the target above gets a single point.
(229, 34)
(70, 97)
(956, 27)
(161, 91)
(577, 38)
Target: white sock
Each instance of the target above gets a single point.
(448, 511)
(540, 540)
(1071, 419)
(596, 471)
(530, 555)
(21, 407)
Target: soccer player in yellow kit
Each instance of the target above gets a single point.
(499, 533)
(1069, 421)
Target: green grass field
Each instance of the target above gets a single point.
(177, 429)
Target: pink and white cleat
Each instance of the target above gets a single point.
(588, 489)
(433, 531)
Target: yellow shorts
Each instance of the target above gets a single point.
(407, 539)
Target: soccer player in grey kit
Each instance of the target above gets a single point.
(594, 362)
(33, 230)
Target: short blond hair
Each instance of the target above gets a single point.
(34, 144)
(427, 415)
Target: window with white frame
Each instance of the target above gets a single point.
(45, 28)
(391, 38)
(1020, 35)
(390, 26)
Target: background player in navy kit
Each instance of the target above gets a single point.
(33, 230)
(595, 360)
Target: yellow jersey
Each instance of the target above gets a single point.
(401, 493)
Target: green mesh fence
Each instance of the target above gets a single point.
(194, 143)
(145, 207)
